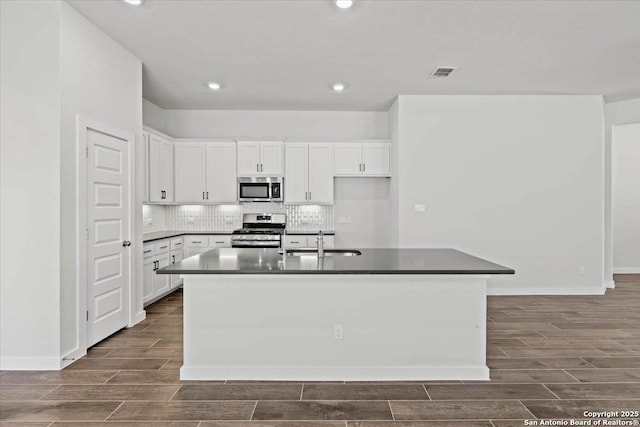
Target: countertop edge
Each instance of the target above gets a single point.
(217, 233)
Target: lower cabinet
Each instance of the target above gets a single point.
(307, 241)
(197, 244)
(159, 254)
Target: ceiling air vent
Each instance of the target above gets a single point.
(443, 71)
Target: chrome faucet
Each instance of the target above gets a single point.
(320, 244)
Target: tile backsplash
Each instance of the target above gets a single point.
(229, 217)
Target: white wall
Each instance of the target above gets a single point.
(616, 113)
(154, 116)
(269, 124)
(514, 179)
(626, 198)
(102, 81)
(30, 185)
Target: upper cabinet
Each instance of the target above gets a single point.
(160, 169)
(308, 175)
(362, 159)
(260, 158)
(205, 172)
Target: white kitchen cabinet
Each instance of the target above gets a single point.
(161, 282)
(205, 172)
(158, 254)
(308, 173)
(259, 158)
(160, 169)
(145, 164)
(307, 241)
(190, 172)
(362, 159)
(197, 244)
(176, 279)
(221, 176)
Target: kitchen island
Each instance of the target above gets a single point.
(385, 314)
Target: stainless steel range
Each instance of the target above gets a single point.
(259, 231)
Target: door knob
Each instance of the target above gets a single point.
(126, 243)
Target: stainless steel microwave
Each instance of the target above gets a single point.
(260, 189)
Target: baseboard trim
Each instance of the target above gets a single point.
(71, 357)
(140, 316)
(30, 364)
(348, 373)
(626, 270)
(609, 284)
(506, 291)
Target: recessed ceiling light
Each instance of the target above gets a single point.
(344, 4)
(134, 2)
(339, 87)
(214, 86)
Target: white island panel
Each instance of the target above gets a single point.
(282, 327)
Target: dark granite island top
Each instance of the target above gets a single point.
(372, 261)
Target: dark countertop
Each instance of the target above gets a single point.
(372, 261)
(158, 235)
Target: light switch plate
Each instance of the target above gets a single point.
(419, 207)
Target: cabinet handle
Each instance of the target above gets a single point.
(261, 167)
(203, 195)
(257, 167)
(364, 167)
(359, 167)
(178, 244)
(147, 251)
(309, 195)
(294, 241)
(173, 257)
(219, 242)
(163, 247)
(196, 241)
(207, 195)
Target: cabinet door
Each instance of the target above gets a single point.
(145, 165)
(293, 241)
(248, 158)
(155, 190)
(166, 169)
(347, 159)
(296, 173)
(161, 282)
(222, 183)
(148, 273)
(176, 279)
(376, 159)
(219, 241)
(320, 173)
(271, 158)
(190, 172)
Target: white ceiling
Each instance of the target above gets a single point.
(285, 55)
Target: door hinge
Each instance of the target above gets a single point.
(87, 315)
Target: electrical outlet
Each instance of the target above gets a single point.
(349, 220)
(337, 332)
(582, 270)
(419, 207)
(342, 220)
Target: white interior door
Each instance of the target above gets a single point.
(108, 222)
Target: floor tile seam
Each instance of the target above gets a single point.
(254, 410)
(549, 390)
(176, 392)
(393, 417)
(424, 386)
(44, 395)
(526, 409)
(301, 391)
(165, 364)
(115, 410)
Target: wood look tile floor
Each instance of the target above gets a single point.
(550, 357)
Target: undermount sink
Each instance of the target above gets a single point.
(327, 252)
